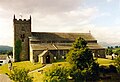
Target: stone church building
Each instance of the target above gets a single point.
(46, 47)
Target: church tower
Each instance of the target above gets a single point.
(22, 32)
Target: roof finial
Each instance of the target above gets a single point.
(20, 15)
(30, 17)
(14, 16)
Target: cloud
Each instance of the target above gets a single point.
(102, 34)
(64, 20)
(54, 16)
(109, 0)
(43, 6)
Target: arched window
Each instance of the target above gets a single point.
(22, 37)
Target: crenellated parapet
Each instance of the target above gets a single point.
(17, 21)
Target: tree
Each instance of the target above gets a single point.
(20, 75)
(56, 74)
(18, 49)
(117, 63)
(10, 53)
(117, 52)
(109, 51)
(116, 46)
(81, 58)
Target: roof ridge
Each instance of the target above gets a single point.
(63, 32)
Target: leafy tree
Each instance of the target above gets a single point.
(117, 52)
(81, 58)
(20, 75)
(117, 63)
(56, 74)
(18, 49)
(10, 52)
(109, 51)
(116, 46)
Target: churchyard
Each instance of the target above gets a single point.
(20, 65)
(38, 76)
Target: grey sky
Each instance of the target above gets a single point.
(61, 16)
(41, 6)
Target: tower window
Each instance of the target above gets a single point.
(23, 37)
(23, 29)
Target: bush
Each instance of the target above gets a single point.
(20, 75)
(56, 74)
(117, 64)
(112, 69)
(104, 69)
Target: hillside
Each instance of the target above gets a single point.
(105, 44)
(5, 48)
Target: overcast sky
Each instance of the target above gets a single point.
(100, 17)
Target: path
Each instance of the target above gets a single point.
(4, 78)
(47, 65)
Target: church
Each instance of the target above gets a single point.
(46, 47)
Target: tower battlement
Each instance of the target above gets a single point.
(15, 20)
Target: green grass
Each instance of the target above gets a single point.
(60, 60)
(106, 62)
(37, 76)
(102, 61)
(25, 64)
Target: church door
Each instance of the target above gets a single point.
(48, 59)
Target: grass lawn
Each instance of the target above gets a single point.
(105, 62)
(37, 76)
(25, 64)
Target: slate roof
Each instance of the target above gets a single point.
(56, 36)
(60, 47)
(42, 47)
(49, 47)
(94, 46)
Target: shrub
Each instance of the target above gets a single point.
(20, 75)
(117, 64)
(112, 69)
(56, 74)
(104, 69)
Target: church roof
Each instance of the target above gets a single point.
(60, 41)
(94, 46)
(42, 47)
(56, 36)
(61, 46)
